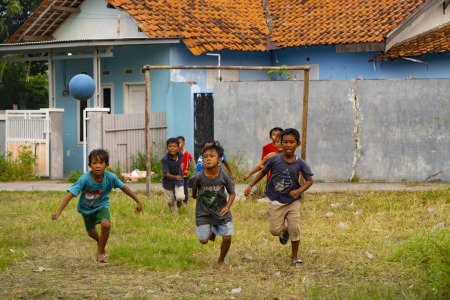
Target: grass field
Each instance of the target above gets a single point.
(393, 245)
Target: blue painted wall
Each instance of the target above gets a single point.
(347, 66)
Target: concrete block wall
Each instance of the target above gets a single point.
(387, 130)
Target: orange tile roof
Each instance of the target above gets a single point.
(434, 42)
(210, 25)
(319, 22)
(204, 25)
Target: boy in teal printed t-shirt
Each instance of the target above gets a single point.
(93, 204)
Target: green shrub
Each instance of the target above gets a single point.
(74, 175)
(139, 162)
(23, 167)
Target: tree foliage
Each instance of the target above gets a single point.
(13, 13)
(21, 83)
(22, 86)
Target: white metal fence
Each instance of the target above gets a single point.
(29, 130)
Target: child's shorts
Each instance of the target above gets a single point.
(169, 194)
(96, 218)
(204, 231)
(289, 212)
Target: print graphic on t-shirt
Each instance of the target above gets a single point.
(92, 198)
(209, 199)
(282, 182)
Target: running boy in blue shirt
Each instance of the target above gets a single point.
(224, 161)
(212, 211)
(95, 186)
(284, 191)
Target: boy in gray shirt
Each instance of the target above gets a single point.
(212, 211)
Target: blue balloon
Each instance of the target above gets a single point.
(82, 87)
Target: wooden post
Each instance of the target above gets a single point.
(305, 116)
(147, 129)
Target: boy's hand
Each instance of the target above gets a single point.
(55, 216)
(138, 208)
(224, 211)
(179, 178)
(294, 194)
(245, 177)
(234, 176)
(248, 190)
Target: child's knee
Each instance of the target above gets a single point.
(226, 239)
(204, 241)
(294, 233)
(92, 233)
(106, 224)
(275, 229)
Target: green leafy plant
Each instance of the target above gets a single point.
(23, 167)
(74, 175)
(355, 178)
(281, 73)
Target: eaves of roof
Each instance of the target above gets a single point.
(435, 42)
(76, 44)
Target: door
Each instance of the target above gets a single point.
(135, 99)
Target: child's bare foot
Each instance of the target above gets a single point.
(212, 236)
(100, 258)
(223, 266)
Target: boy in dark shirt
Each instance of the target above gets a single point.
(212, 211)
(172, 181)
(284, 190)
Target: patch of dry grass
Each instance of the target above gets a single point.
(155, 255)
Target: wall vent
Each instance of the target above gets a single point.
(128, 71)
(84, 72)
(106, 72)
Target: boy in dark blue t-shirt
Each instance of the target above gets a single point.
(172, 181)
(284, 190)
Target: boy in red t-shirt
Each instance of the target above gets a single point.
(185, 166)
(271, 146)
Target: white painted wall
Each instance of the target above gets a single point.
(429, 20)
(96, 21)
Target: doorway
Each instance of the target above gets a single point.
(203, 120)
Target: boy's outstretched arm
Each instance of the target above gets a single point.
(255, 180)
(193, 163)
(227, 165)
(130, 193)
(63, 205)
(256, 169)
(226, 209)
(294, 194)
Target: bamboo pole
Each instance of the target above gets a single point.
(148, 67)
(147, 130)
(305, 116)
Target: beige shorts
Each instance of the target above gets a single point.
(277, 216)
(179, 195)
